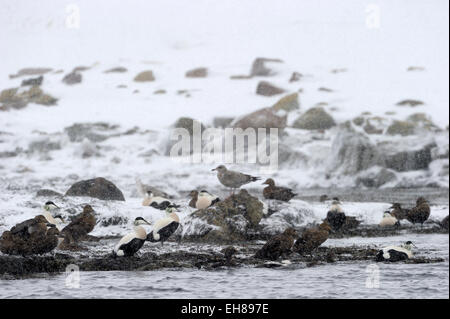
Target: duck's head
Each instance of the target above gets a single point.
(48, 206)
(59, 219)
(291, 232)
(387, 214)
(171, 209)
(269, 182)
(396, 206)
(140, 221)
(193, 194)
(87, 209)
(325, 226)
(220, 168)
(40, 219)
(421, 200)
(204, 193)
(409, 245)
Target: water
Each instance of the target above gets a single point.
(339, 280)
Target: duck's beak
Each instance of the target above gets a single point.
(214, 169)
(147, 222)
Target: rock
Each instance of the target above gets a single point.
(422, 120)
(324, 89)
(118, 69)
(43, 146)
(353, 152)
(410, 102)
(415, 68)
(222, 122)
(376, 177)
(10, 99)
(197, 73)
(48, 193)
(266, 89)
(315, 119)
(240, 77)
(264, 118)
(259, 68)
(410, 160)
(145, 76)
(97, 188)
(358, 121)
(81, 69)
(287, 103)
(370, 129)
(72, 78)
(296, 76)
(228, 221)
(188, 124)
(95, 132)
(403, 128)
(160, 92)
(31, 71)
(7, 154)
(32, 82)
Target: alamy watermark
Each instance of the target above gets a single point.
(373, 276)
(226, 146)
(373, 16)
(72, 278)
(72, 16)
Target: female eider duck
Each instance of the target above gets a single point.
(399, 212)
(56, 220)
(420, 213)
(277, 192)
(389, 220)
(82, 225)
(157, 202)
(312, 238)
(165, 227)
(132, 242)
(202, 199)
(33, 226)
(335, 216)
(278, 246)
(394, 253)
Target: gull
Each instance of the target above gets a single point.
(233, 179)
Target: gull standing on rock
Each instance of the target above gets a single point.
(233, 179)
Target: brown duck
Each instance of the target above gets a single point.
(277, 192)
(36, 225)
(278, 245)
(312, 238)
(82, 225)
(420, 213)
(399, 212)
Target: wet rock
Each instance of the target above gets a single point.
(376, 177)
(30, 71)
(160, 92)
(81, 68)
(188, 124)
(8, 154)
(423, 121)
(264, 118)
(44, 146)
(288, 103)
(240, 77)
(259, 67)
(97, 188)
(358, 121)
(94, 132)
(72, 78)
(403, 128)
(412, 160)
(410, 102)
(197, 73)
(222, 122)
(118, 69)
(34, 81)
(145, 76)
(371, 129)
(315, 119)
(296, 76)
(353, 152)
(324, 89)
(267, 89)
(228, 221)
(48, 193)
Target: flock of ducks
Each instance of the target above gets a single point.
(44, 233)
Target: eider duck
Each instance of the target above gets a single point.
(312, 238)
(335, 216)
(233, 179)
(132, 242)
(33, 226)
(157, 202)
(420, 213)
(165, 227)
(399, 212)
(202, 199)
(394, 253)
(277, 246)
(389, 220)
(277, 192)
(82, 225)
(143, 189)
(56, 220)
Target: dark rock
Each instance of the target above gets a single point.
(95, 132)
(410, 102)
(145, 76)
(410, 160)
(264, 118)
(296, 76)
(34, 81)
(323, 89)
(222, 122)
(315, 119)
(403, 128)
(197, 73)
(31, 71)
(266, 89)
(259, 68)
(376, 179)
(44, 146)
(98, 188)
(48, 193)
(117, 70)
(160, 92)
(288, 103)
(72, 78)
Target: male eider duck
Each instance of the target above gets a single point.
(157, 202)
(277, 246)
(277, 192)
(420, 213)
(82, 225)
(389, 220)
(312, 238)
(132, 242)
(395, 253)
(56, 220)
(202, 199)
(335, 216)
(165, 227)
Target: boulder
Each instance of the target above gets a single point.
(296, 76)
(98, 187)
(222, 122)
(315, 119)
(118, 69)
(288, 103)
(197, 73)
(17, 99)
(403, 128)
(259, 67)
(266, 89)
(231, 220)
(72, 78)
(95, 132)
(33, 81)
(263, 118)
(30, 71)
(410, 102)
(145, 76)
(376, 177)
(186, 123)
(47, 193)
(410, 160)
